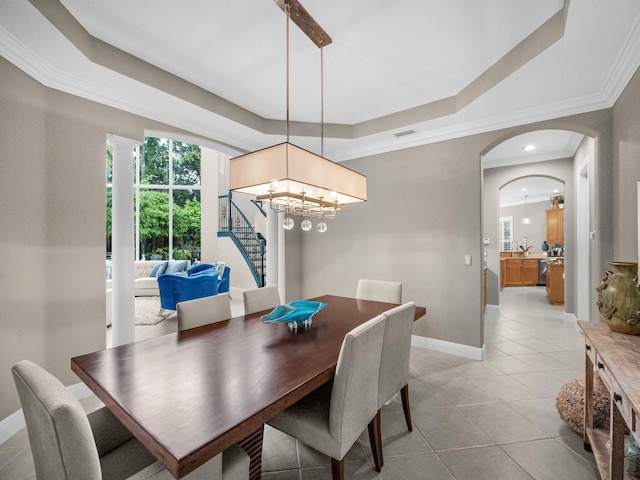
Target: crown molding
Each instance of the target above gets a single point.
(234, 138)
(624, 66)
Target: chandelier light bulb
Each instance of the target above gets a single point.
(306, 225)
(322, 227)
(287, 223)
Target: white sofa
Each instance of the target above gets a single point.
(144, 284)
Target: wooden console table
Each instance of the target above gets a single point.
(616, 358)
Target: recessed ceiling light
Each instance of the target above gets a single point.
(523, 189)
(555, 190)
(529, 148)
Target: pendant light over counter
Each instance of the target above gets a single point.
(526, 220)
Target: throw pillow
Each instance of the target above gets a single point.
(158, 269)
(176, 266)
(220, 267)
(206, 271)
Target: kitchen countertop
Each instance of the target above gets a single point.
(555, 261)
(534, 255)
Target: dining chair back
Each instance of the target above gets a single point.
(352, 407)
(202, 311)
(332, 417)
(259, 299)
(396, 350)
(68, 444)
(379, 291)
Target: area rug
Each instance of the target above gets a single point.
(147, 311)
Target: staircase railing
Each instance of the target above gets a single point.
(252, 245)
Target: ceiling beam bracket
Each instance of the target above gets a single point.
(306, 23)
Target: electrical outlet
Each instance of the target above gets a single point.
(467, 260)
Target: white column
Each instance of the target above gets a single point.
(281, 259)
(210, 161)
(273, 228)
(123, 241)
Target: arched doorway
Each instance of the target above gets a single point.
(561, 155)
(525, 210)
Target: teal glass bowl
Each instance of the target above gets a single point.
(299, 311)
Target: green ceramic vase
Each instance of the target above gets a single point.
(619, 298)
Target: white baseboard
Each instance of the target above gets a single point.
(493, 308)
(443, 346)
(11, 425)
(571, 318)
(15, 422)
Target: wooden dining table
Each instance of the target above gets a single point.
(187, 396)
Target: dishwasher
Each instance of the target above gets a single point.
(542, 267)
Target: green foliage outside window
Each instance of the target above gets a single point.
(154, 203)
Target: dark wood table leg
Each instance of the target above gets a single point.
(375, 438)
(253, 446)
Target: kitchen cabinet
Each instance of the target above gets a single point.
(555, 226)
(555, 282)
(520, 272)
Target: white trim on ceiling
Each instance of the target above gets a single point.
(34, 65)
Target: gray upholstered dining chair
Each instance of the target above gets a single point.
(68, 444)
(331, 418)
(379, 291)
(259, 299)
(394, 362)
(202, 311)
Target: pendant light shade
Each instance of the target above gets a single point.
(289, 175)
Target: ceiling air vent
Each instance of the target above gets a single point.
(406, 132)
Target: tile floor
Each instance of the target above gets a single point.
(493, 420)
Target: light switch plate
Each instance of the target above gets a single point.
(467, 260)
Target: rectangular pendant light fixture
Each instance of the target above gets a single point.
(290, 178)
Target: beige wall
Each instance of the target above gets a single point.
(52, 225)
(424, 214)
(53, 230)
(23, 232)
(626, 171)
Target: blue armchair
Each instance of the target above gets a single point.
(202, 280)
(223, 280)
(179, 288)
(223, 283)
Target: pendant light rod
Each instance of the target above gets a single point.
(321, 101)
(526, 220)
(305, 22)
(287, 10)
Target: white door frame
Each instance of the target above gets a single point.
(583, 243)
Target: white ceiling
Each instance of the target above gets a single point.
(547, 145)
(388, 62)
(537, 189)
